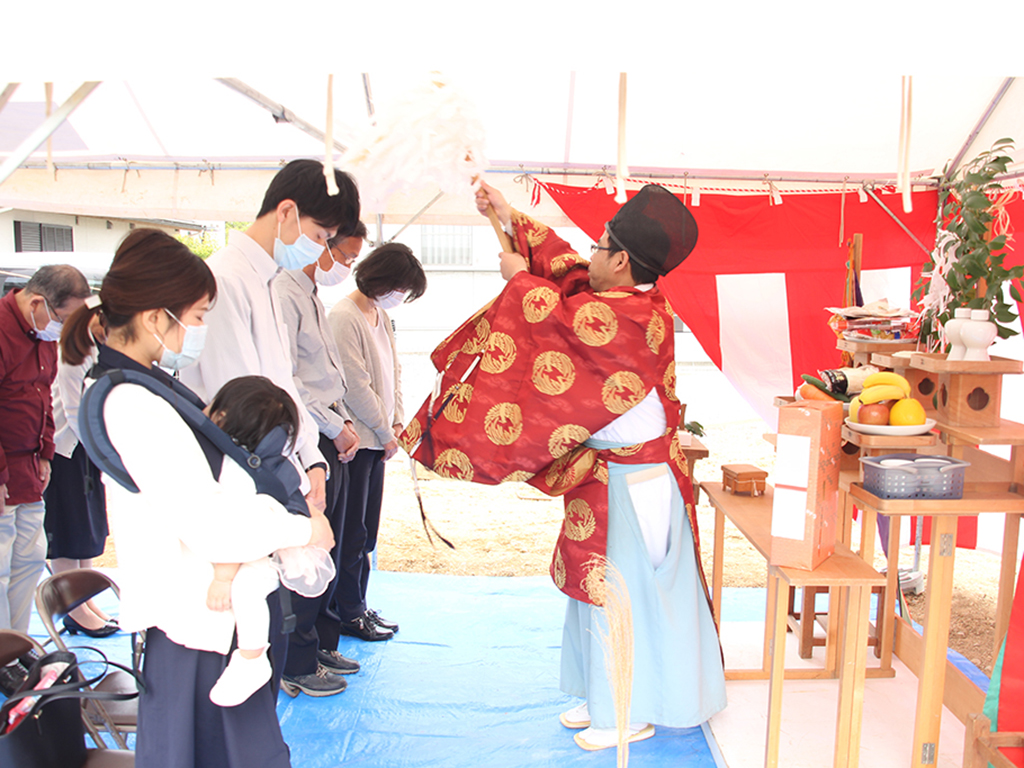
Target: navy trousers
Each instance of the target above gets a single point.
(359, 536)
(316, 626)
(179, 727)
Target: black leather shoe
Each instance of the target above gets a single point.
(365, 629)
(74, 628)
(336, 663)
(375, 618)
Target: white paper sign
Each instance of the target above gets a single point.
(789, 510)
(792, 460)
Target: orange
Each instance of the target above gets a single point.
(906, 413)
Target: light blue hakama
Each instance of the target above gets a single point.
(678, 680)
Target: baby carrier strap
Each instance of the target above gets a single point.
(103, 454)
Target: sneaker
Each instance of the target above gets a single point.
(323, 682)
(11, 678)
(375, 618)
(365, 629)
(336, 663)
(240, 679)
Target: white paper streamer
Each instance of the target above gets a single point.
(432, 135)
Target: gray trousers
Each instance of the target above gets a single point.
(22, 557)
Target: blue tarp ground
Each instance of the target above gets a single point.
(471, 679)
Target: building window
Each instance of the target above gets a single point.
(30, 236)
(446, 245)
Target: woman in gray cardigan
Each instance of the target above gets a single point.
(389, 276)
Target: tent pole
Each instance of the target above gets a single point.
(873, 196)
(415, 216)
(280, 112)
(35, 139)
(977, 129)
(7, 93)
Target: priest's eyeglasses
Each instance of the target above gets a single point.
(595, 248)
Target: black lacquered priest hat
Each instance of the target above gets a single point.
(655, 229)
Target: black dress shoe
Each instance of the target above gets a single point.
(375, 618)
(74, 628)
(365, 629)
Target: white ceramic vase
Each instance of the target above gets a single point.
(977, 334)
(952, 329)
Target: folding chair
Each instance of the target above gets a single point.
(14, 644)
(56, 596)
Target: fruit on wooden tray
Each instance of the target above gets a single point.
(880, 392)
(854, 407)
(906, 412)
(873, 413)
(888, 377)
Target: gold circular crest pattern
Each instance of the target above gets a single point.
(621, 391)
(561, 474)
(535, 235)
(675, 452)
(601, 472)
(455, 464)
(553, 373)
(558, 569)
(655, 333)
(668, 308)
(476, 343)
(560, 265)
(593, 581)
(456, 408)
(579, 520)
(519, 476)
(669, 380)
(565, 438)
(628, 450)
(614, 294)
(413, 434)
(595, 324)
(499, 354)
(538, 303)
(503, 423)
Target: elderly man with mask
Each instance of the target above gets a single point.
(30, 322)
(320, 381)
(567, 381)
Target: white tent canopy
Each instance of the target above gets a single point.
(192, 147)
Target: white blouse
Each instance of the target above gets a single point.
(181, 522)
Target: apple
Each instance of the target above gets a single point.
(875, 413)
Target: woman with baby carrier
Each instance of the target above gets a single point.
(194, 507)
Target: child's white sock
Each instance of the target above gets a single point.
(240, 679)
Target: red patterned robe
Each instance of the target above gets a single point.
(530, 377)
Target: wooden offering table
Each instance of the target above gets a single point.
(926, 656)
(844, 573)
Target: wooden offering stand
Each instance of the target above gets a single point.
(743, 478)
(969, 392)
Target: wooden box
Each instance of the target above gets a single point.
(805, 503)
(924, 385)
(743, 478)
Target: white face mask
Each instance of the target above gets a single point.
(53, 328)
(191, 346)
(299, 254)
(334, 276)
(390, 300)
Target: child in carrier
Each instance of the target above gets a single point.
(261, 418)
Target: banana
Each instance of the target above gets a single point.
(888, 377)
(881, 392)
(854, 407)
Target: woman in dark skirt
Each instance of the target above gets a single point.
(76, 508)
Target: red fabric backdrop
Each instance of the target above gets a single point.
(800, 238)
